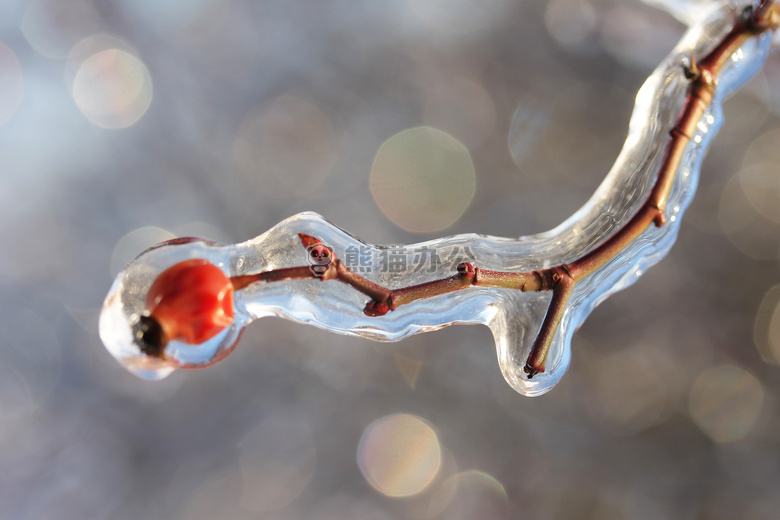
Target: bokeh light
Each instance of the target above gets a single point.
(463, 109)
(289, 146)
(725, 402)
(11, 83)
(133, 243)
(763, 149)
(436, 497)
(399, 455)
(84, 49)
(113, 88)
(761, 185)
(529, 119)
(742, 223)
(474, 494)
(277, 461)
(745, 112)
(570, 22)
(766, 329)
(52, 27)
(635, 388)
(423, 179)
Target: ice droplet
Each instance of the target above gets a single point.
(513, 317)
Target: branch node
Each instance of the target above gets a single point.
(659, 219)
(760, 16)
(677, 131)
(331, 273)
(545, 283)
(375, 308)
(691, 69)
(465, 268)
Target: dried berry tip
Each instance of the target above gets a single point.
(531, 371)
(149, 336)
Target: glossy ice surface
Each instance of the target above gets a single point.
(513, 317)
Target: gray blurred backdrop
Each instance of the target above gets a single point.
(123, 123)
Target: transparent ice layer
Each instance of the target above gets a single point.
(514, 317)
(687, 11)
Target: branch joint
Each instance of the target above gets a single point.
(761, 16)
(691, 69)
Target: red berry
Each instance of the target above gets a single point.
(192, 301)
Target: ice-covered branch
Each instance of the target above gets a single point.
(185, 303)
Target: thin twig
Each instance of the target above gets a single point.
(561, 279)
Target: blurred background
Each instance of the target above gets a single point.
(124, 123)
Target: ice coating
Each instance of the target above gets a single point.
(687, 11)
(514, 317)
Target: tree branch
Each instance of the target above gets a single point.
(561, 279)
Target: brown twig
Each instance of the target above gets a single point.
(561, 279)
